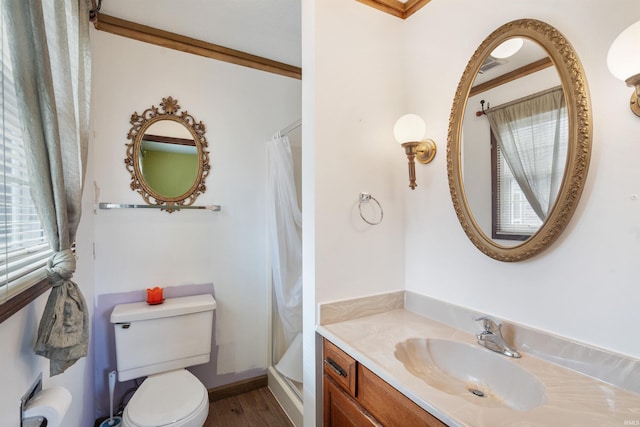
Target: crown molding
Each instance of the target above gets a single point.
(175, 41)
(396, 7)
(525, 70)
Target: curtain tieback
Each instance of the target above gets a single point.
(60, 267)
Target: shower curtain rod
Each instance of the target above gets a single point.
(291, 127)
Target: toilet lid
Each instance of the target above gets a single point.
(166, 398)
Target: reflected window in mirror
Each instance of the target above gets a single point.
(512, 216)
(529, 140)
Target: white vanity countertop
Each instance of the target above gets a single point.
(571, 398)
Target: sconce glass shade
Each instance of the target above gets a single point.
(507, 48)
(409, 128)
(623, 59)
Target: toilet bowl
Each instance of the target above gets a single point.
(172, 399)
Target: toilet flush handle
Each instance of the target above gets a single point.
(124, 325)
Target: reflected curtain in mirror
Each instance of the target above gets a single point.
(531, 136)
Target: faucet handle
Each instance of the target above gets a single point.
(489, 324)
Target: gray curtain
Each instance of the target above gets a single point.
(530, 134)
(49, 44)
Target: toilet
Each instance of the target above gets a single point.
(158, 342)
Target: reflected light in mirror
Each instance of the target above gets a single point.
(507, 48)
(623, 61)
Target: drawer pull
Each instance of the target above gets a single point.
(336, 368)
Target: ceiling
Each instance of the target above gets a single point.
(529, 53)
(266, 28)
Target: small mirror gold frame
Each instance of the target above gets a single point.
(168, 110)
(576, 92)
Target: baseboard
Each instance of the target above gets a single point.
(237, 388)
(287, 399)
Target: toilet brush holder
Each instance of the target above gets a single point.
(111, 421)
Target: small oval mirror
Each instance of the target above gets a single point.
(167, 157)
(540, 92)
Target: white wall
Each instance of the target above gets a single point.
(351, 65)
(135, 249)
(357, 103)
(585, 286)
(20, 368)
(18, 335)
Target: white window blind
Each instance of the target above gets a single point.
(23, 247)
(515, 216)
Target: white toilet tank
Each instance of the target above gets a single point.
(156, 338)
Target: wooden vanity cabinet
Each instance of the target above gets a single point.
(354, 396)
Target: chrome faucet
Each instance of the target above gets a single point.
(491, 337)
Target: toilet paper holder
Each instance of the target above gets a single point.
(35, 388)
(34, 422)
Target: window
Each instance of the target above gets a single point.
(23, 247)
(535, 129)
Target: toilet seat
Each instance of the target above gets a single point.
(174, 398)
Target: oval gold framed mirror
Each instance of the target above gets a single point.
(496, 198)
(167, 156)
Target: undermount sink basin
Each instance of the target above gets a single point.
(474, 373)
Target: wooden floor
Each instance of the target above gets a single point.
(257, 408)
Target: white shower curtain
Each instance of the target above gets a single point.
(285, 244)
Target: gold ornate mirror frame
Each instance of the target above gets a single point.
(168, 110)
(576, 93)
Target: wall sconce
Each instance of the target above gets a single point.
(409, 132)
(624, 61)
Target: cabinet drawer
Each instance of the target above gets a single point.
(340, 366)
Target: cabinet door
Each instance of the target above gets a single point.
(341, 410)
(388, 405)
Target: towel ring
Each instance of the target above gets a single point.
(365, 198)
